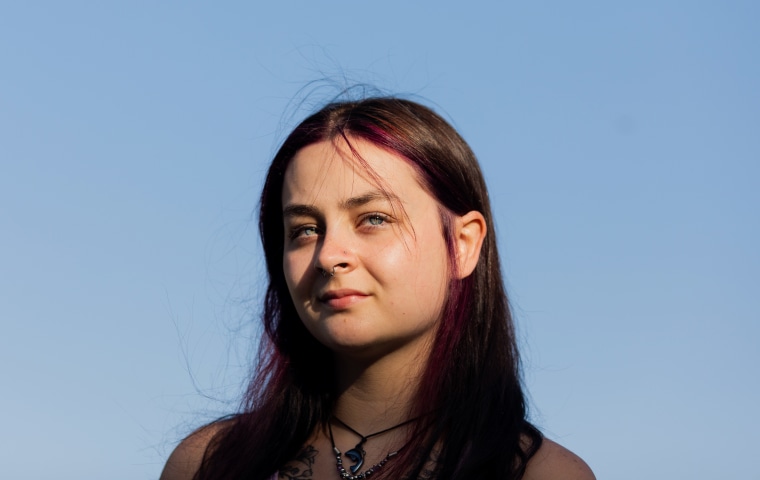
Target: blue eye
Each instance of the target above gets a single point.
(305, 231)
(376, 219)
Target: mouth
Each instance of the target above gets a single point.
(342, 298)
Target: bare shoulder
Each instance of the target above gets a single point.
(554, 462)
(186, 458)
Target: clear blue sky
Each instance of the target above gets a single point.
(621, 142)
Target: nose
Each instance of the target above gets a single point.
(334, 254)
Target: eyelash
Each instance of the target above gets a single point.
(367, 219)
(298, 231)
(375, 215)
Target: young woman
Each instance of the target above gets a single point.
(389, 350)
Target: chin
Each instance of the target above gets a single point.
(345, 341)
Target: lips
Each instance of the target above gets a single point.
(342, 298)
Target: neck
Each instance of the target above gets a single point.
(374, 395)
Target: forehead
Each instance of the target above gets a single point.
(332, 170)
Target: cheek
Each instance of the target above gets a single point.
(433, 268)
(295, 269)
(433, 280)
(418, 272)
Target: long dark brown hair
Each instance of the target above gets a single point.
(472, 384)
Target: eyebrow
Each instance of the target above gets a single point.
(303, 210)
(299, 210)
(368, 197)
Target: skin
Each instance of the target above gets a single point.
(551, 462)
(387, 254)
(367, 268)
(379, 311)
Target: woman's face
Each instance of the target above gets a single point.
(366, 264)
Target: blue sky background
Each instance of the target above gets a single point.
(621, 143)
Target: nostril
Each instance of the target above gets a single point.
(325, 273)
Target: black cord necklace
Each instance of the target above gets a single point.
(357, 453)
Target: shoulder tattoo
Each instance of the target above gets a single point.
(300, 468)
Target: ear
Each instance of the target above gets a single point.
(469, 234)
